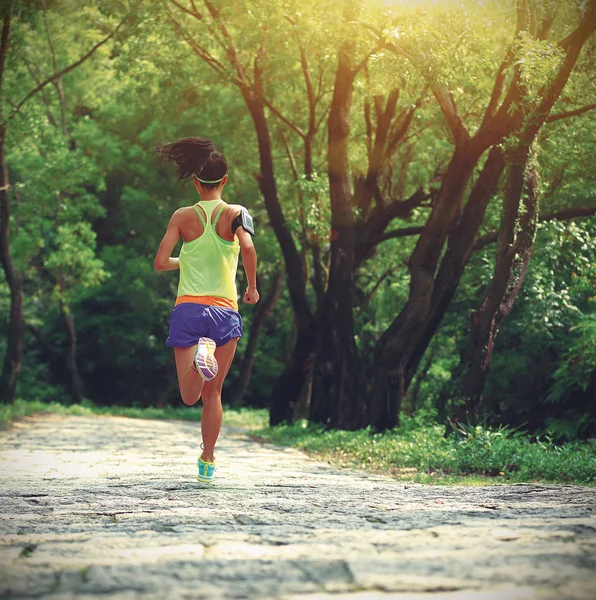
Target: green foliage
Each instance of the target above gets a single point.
(243, 418)
(89, 204)
(538, 375)
(578, 367)
(73, 264)
(419, 450)
(316, 209)
(575, 376)
(537, 60)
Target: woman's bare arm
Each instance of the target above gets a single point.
(163, 259)
(249, 259)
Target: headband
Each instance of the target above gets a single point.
(206, 181)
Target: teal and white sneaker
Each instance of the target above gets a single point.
(205, 361)
(206, 471)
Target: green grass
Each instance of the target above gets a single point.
(418, 451)
(246, 418)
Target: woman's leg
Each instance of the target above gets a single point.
(212, 411)
(190, 383)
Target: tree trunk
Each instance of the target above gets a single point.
(292, 379)
(515, 249)
(401, 347)
(261, 313)
(411, 398)
(460, 247)
(337, 382)
(390, 375)
(286, 391)
(513, 256)
(14, 350)
(75, 383)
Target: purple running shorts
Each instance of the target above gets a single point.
(190, 321)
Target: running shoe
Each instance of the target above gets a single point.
(205, 361)
(206, 471)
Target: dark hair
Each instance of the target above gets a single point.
(195, 156)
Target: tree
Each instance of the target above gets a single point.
(261, 313)
(333, 287)
(402, 346)
(383, 149)
(245, 69)
(516, 236)
(73, 268)
(14, 352)
(13, 357)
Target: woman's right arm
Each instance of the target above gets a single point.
(163, 259)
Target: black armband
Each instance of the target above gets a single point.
(243, 220)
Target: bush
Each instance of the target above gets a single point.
(503, 453)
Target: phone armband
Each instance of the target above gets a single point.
(243, 220)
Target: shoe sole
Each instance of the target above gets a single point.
(204, 480)
(205, 361)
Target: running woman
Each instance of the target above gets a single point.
(205, 325)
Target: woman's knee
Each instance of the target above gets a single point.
(211, 396)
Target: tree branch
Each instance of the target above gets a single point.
(193, 13)
(566, 214)
(363, 62)
(498, 85)
(546, 24)
(320, 92)
(203, 54)
(451, 113)
(43, 342)
(64, 71)
(3, 53)
(281, 117)
(570, 113)
(568, 41)
(398, 233)
(398, 133)
(440, 92)
(364, 304)
(290, 155)
(198, 16)
(58, 82)
(229, 48)
(379, 219)
(549, 93)
(379, 152)
(33, 74)
(369, 127)
(323, 116)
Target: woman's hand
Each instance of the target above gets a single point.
(251, 296)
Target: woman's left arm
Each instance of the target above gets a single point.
(163, 259)
(249, 259)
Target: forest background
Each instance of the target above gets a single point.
(421, 175)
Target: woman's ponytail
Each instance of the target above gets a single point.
(195, 156)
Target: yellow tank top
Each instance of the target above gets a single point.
(208, 264)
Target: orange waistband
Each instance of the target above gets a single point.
(209, 301)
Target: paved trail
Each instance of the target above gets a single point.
(109, 507)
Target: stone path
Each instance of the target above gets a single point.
(109, 507)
